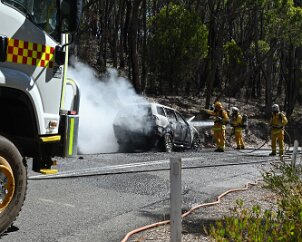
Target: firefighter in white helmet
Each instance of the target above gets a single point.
(277, 122)
(237, 124)
(220, 120)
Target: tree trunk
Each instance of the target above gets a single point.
(292, 83)
(144, 47)
(132, 39)
(122, 25)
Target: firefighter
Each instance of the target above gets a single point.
(220, 120)
(277, 124)
(237, 124)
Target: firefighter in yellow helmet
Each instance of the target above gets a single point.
(237, 124)
(220, 120)
(277, 123)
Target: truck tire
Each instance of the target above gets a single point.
(13, 183)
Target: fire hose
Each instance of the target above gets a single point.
(218, 200)
(264, 143)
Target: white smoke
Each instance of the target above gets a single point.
(100, 101)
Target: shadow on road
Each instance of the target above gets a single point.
(11, 229)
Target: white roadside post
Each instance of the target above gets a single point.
(175, 199)
(295, 151)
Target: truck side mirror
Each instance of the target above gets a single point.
(70, 11)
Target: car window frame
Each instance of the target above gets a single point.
(163, 111)
(183, 121)
(168, 115)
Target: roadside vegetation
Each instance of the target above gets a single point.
(212, 48)
(255, 224)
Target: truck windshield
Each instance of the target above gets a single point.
(43, 13)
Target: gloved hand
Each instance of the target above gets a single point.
(203, 114)
(218, 120)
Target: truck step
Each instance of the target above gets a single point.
(48, 171)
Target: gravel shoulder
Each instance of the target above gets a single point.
(193, 224)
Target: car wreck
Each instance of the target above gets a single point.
(152, 125)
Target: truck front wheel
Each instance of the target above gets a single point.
(13, 183)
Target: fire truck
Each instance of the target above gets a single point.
(35, 122)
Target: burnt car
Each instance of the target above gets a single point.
(152, 125)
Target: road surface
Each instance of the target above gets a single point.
(102, 197)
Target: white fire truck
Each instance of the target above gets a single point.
(34, 122)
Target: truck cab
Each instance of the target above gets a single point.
(33, 77)
(34, 121)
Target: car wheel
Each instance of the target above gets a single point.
(196, 143)
(168, 143)
(125, 148)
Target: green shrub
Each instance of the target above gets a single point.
(256, 225)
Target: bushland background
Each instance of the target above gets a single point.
(188, 53)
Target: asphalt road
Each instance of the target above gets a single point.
(102, 197)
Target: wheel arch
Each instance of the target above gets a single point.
(21, 83)
(18, 121)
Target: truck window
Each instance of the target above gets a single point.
(43, 13)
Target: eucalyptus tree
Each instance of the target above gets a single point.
(250, 48)
(177, 43)
(283, 23)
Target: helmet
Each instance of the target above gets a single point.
(218, 104)
(275, 108)
(234, 110)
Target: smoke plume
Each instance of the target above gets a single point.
(101, 98)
